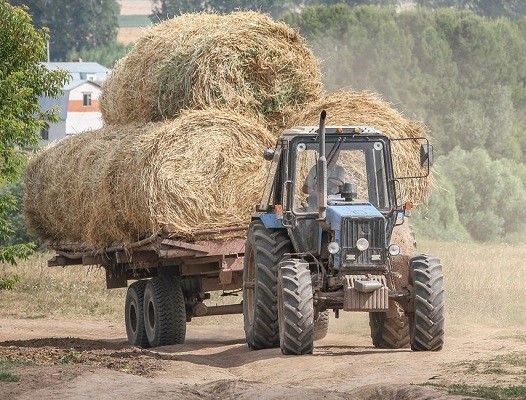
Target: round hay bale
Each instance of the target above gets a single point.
(366, 108)
(244, 61)
(119, 184)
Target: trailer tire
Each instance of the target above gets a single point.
(295, 308)
(164, 311)
(134, 315)
(321, 325)
(427, 318)
(264, 249)
(390, 330)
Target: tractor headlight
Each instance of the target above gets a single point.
(333, 247)
(362, 244)
(394, 250)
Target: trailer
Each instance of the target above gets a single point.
(170, 277)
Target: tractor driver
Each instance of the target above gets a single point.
(335, 178)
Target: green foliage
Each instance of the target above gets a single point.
(465, 76)
(14, 192)
(486, 392)
(8, 282)
(163, 9)
(489, 193)
(439, 219)
(6, 370)
(489, 8)
(106, 55)
(22, 80)
(74, 25)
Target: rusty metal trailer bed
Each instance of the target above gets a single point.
(194, 268)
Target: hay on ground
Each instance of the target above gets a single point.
(120, 184)
(244, 61)
(366, 108)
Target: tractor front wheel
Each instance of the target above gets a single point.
(295, 308)
(427, 318)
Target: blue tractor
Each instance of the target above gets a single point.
(321, 240)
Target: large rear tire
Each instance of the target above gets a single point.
(264, 249)
(164, 311)
(427, 318)
(295, 308)
(321, 325)
(134, 315)
(390, 330)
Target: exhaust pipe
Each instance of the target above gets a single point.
(321, 169)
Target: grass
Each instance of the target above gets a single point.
(486, 392)
(59, 292)
(6, 370)
(133, 21)
(485, 284)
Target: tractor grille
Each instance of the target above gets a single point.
(371, 229)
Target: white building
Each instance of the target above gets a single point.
(78, 108)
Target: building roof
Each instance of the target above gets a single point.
(77, 82)
(77, 67)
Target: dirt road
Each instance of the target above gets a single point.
(58, 359)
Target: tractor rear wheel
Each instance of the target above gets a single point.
(264, 249)
(390, 330)
(134, 315)
(164, 311)
(295, 308)
(427, 318)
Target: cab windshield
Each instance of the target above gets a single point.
(361, 164)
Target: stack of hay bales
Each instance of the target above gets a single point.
(243, 61)
(188, 114)
(123, 182)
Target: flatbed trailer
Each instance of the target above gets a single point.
(181, 275)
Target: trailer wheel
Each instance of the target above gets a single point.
(295, 308)
(164, 311)
(264, 249)
(134, 316)
(321, 325)
(427, 318)
(390, 330)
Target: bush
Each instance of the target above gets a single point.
(488, 196)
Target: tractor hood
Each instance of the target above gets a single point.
(363, 210)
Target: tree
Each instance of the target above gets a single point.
(22, 80)
(488, 8)
(74, 25)
(163, 9)
(106, 55)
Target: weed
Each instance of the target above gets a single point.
(8, 282)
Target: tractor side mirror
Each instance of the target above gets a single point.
(268, 154)
(426, 155)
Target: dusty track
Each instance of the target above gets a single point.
(91, 360)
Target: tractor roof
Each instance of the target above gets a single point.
(342, 130)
